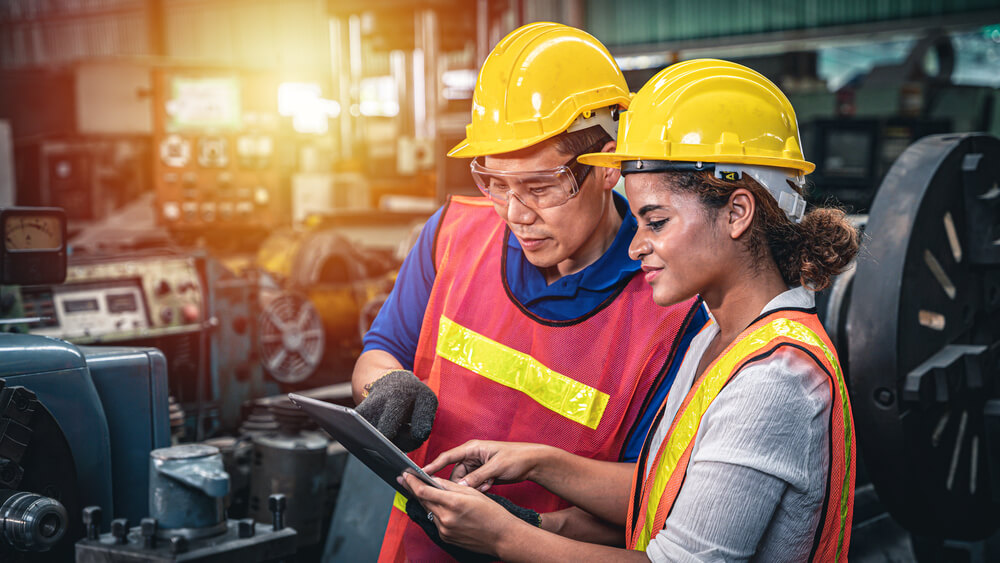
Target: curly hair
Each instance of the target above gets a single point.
(809, 253)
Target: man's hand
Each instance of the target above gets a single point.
(480, 464)
(402, 408)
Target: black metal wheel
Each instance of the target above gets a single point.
(922, 332)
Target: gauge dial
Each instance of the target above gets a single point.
(32, 232)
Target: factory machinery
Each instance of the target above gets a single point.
(89, 467)
(122, 342)
(917, 327)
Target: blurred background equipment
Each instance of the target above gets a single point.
(218, 173)
(924, 350)
(187, 521)
(76, 423)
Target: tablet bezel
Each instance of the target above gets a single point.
(363, 440)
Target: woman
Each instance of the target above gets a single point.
(752, 455)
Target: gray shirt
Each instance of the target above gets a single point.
(757, 476)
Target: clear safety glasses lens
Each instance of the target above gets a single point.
(537, 189)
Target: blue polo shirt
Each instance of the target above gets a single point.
(396, 329)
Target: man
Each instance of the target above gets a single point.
(519, 316)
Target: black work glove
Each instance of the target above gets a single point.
(418, 514)
(397, 400)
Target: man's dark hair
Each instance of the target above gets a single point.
(576, 142)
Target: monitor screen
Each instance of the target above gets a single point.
(203, 103)
(848, 153)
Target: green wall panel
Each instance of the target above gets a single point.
(630, 22)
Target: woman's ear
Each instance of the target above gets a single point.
(741, 208)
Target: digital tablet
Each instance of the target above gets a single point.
(363, 441)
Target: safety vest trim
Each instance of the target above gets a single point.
(675, 453)
(563, 395)
(399, 502)
(437, 233)
(637, 479)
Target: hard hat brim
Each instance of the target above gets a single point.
(472, 149)
(614, 160)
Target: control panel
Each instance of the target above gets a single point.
(106, 301)
(216, 167)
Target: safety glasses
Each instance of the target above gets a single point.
(536, 189)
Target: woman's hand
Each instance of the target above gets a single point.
(463, 516)
(480, 464)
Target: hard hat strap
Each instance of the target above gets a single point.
(774, 180)
(607, 118)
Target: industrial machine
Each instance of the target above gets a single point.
(76, 423)
(217, 170)
(916, 327)
(856, 134)
(186, 304)
(85, 430)
(341, 267)
(853, 155)
(187, 521)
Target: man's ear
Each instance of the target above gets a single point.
(740, 212)
(611, 175)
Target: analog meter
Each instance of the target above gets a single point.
(34, 245)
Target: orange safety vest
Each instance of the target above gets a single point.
(654, 496)
(502, 373)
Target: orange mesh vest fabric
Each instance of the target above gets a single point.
(654, 496)
(501, 373)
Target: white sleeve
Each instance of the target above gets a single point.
(758, 469)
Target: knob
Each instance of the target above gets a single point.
(163, 287)
(190, 313)
(92, 521)
(276, 503)
(119, 529)
(178, 544)
(10, 473)
(148, 526)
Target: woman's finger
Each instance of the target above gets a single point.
(453, 455)
(427, 494)
(460, 470)
(483, 475)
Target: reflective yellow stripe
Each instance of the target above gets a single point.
(690, 419)
(519, 371)
(399, 501)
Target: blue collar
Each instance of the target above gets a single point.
(607, 272)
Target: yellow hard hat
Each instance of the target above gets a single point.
(535, 84)
(707, 110)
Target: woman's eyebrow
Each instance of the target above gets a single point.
(645, 209)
